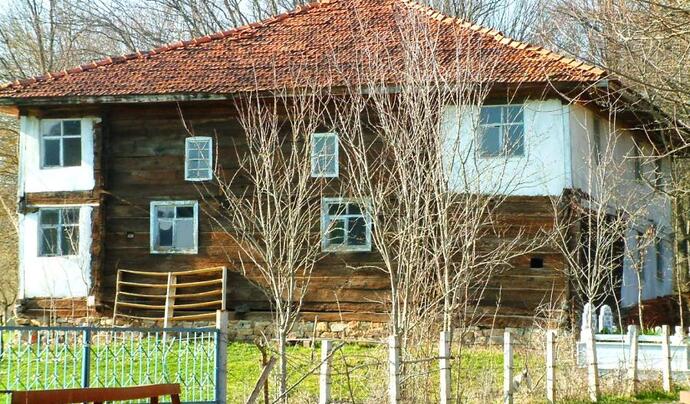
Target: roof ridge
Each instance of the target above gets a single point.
(503, 39)
(218, 35)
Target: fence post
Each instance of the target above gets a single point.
(632, 366)
(507, 368)
(325, 373)
(550, 366)
(393, 369)
(444, 355)
(666, 355)
(86, 358)
(221, 356)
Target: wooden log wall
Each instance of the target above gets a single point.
(140, 158)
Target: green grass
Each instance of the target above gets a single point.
(359, 373)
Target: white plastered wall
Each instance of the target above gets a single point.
(653, 207)
(57, 277)
(33, 178)
(543, 170)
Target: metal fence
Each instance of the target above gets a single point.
(37, 358)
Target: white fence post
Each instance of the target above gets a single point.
(666, 357)
(507, 368)
(393, 370)
(222, 318)
(632, 366)
(592, 365)
(550, 366)
(444, 355)
(325, 373)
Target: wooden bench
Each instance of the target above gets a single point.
(98, 395)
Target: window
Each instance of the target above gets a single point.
(174, 227)
(345, 225)
(659, 254)
(198, 162)
(324, 155)
(596, 138)
(502, 131)
(58, 232)
(60, 143)
(637, 164)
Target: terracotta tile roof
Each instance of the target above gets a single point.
(321, 42)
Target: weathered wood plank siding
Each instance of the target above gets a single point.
(142, 160)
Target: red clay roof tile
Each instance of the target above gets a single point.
(322, 43)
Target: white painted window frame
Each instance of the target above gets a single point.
(153, 223)
(325, 220)
(42, 139)
(187, 145)
(315, 156)
(502, 126)
(58, 226)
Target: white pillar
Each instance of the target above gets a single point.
(325, 373)
(444, 355)
(550, 366)
(222, 318)
(507, 368)
(632, 366)
(666, 355)
(393, 370)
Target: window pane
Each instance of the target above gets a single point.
(165, 233)
(319, 146)
(354, 209)
(71, 128)
(490, 115)
(185, 211)
(184, 234)
(48, 241)
(357, 231)
(515, 140)
(195, 164)
(70, 216)
(49, 217)
(325, 164)
(337, 209)
(51, 152)
(51, 130)
(513, 115)
(490, 141)
(336, 232)
(72, 152)
(70, 240)
(167, 212)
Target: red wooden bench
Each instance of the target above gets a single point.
(98, 395)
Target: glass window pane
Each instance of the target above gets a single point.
(357, 231)
(51, 152)
(71, 128)
(49, 217)
(167, 212)
(336, 232)
(193, 153)
(72, 152)
(490, 115)
(490, 141)
(69, 240)
(70, 216)
(337, 208)
(318, 145)
(515, 142)
(354, 209)
(48, 241)
(184, 234)
(165, 233)
(194, 164)
(513, 115)
(51, 129)
(185, 211)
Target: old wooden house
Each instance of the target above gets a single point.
(105, 156)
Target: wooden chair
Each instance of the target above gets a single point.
(98, 395)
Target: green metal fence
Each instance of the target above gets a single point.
(38, 358)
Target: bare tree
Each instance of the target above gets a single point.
(270, 205)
